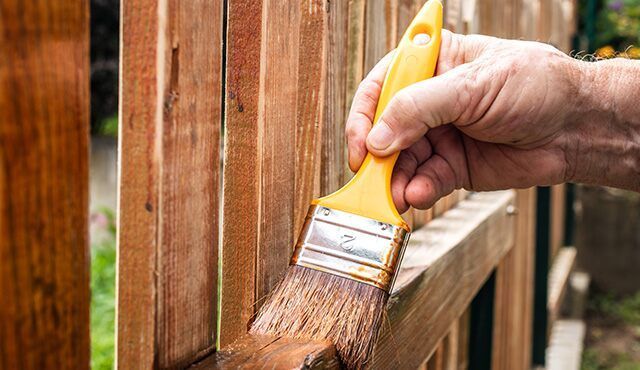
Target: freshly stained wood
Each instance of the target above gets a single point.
(44, 182)
(514, 291)
(445, 264)
(277, 112)
(251, 352)
(169, 174)
(334, 158)
(355, 48)
(310, 107)
(241, 185)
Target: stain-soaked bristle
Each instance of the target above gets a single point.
(316, 305)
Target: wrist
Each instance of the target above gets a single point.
(605, 128)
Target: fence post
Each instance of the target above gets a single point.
(170, 115)
(44, 137)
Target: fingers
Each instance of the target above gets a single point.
(405, 169)
(433, 180)
(423, 106)
(456, 49)
(430, 169)
(363, 109)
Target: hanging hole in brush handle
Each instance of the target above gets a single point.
(368, 193)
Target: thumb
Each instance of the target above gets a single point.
(423, 106)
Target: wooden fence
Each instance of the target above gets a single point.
(231, 119)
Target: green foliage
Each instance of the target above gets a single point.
(614, 330)
(619, 24)
(108, 127)
(626, 309)
(597, 360)
(103, 292)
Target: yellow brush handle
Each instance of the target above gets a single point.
(368, 193)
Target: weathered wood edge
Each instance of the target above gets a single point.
(446, 263)
(558, 280)
(444, 266)
(250, 352)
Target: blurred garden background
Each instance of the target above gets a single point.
(609, 252)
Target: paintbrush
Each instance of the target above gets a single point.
(346, 258)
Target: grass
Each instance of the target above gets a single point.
(103, 291)
(613, 337)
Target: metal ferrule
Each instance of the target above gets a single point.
(351, 246)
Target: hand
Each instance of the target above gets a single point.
(497, 115)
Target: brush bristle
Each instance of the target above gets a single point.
(316, 305)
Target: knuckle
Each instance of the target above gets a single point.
(405, 105)
(369, 91)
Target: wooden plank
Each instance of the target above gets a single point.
(277, 126)
(436, 362)
(381, 30)
(169, 174)
(451, 347)
(453, 16)
(513, 295)
(463, 340)
(445, 264)
(241, 185)
(355, 53)
(557, 218)
(334, 155)
(559, 280)
(275, 102)
(251, 352)
(310, 107)
(44, 182)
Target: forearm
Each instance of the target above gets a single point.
(604, 137)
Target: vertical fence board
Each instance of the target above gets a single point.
(241, 180)
(381, 28)
(277, 119)
(334, 158)
(169, 167)
(557, 218)
(44, 137)
(310, 106)
(514, 292)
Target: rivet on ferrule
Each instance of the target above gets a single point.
(350, 246)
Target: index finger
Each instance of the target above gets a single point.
(363, 109)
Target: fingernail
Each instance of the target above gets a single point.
(381, 136)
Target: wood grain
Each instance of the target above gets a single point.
(251, 352)
(381, 30)
(310, 107)
(275, 105)
(355, 49)
(44, 182)
(277, 128)
(334, 155)
(169, 175)
(241, 174)
(445, 264)
(513, 318)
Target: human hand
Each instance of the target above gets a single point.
(497, 115)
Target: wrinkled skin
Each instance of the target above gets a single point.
(499, 114)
